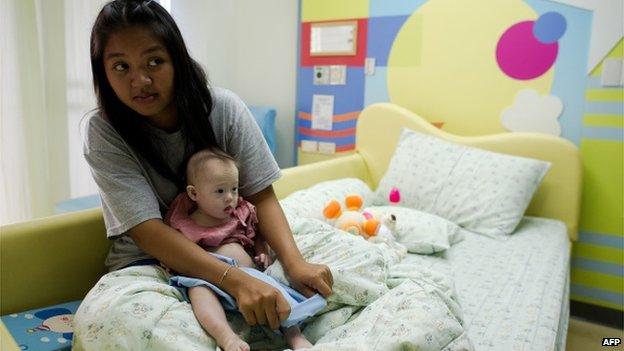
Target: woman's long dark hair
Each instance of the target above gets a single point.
(191, 95)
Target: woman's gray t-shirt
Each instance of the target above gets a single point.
(133, 192)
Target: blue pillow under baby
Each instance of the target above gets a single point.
(301, 307)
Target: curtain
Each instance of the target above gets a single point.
(45, 92)
(23, 119)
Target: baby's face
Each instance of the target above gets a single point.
(217, 188)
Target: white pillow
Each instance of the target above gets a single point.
(482, 191)
(421, 232)
(310, 202)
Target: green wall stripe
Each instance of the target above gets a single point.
(596, 120)
(598, 280)
(604, 95)
(598, 253)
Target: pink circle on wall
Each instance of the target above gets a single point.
(521, 56)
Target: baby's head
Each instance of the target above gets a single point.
(212, 182)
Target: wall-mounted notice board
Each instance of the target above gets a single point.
(333, 38)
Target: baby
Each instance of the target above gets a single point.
(212, 214)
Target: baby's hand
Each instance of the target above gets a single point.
(263, 260)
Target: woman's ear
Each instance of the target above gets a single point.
(191, 192)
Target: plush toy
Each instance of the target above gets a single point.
(386, 235)
(375, 226)
(387, 225)
(352, 220)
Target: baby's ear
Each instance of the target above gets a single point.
(191, 192)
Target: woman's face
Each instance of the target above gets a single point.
(140, 71)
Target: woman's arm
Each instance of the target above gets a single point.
(260, 303)
(166, 244)
(272, 223)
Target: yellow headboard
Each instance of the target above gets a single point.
(559, 195)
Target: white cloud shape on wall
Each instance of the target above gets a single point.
(532, 112)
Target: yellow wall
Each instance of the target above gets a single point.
(442, 65)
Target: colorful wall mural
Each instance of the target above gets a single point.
(486, 66)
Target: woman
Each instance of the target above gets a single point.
(154, 110)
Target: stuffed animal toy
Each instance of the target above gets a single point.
(353, 220)
(386, 235)
(375, 226)
(387, 225)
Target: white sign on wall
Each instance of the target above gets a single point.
(322, 111)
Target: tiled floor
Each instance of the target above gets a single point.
(585, 336)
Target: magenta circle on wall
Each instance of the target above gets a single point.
(521, 56)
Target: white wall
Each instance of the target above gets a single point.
(248, 47)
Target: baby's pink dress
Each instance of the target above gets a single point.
(240, 228)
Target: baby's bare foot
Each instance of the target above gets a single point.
(232, 342)
(295, 339)
(300, 343)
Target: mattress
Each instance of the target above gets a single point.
(513, 292)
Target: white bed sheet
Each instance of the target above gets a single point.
(513, 292)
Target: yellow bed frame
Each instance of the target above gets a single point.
(58, 259)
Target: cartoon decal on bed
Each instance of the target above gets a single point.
(48, 328)
(57, 320)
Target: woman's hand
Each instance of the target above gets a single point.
(310, 278)
(259, 302)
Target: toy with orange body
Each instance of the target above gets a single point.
(353, 220)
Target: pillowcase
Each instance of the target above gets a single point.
(310, 202)
(421, 232)
(480, 190)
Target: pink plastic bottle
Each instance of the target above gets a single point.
(395, 196)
